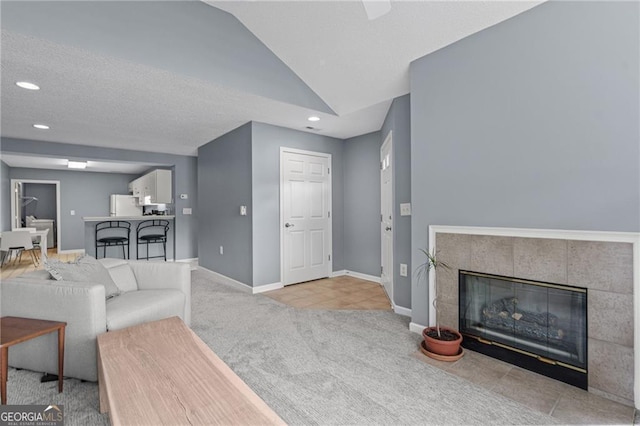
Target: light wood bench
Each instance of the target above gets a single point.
(162, 373)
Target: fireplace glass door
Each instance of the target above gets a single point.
(543, 320)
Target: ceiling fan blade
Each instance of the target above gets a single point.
(376, 8)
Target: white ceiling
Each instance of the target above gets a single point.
(59, 163)
(355, 65)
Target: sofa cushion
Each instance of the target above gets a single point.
(84, 269)
(124, 278)
(138, 307)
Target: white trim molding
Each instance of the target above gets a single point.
(226, 280)
(240, 285)
(416, 328)
(401, 310)
(614, 237)
(73, 251)
(266, 287)
(193, 259)
(373, 278)
(338, 273)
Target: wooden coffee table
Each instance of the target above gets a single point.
(14, 330)
(162, 373)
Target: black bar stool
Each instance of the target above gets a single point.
(152, 232)
(113, 233)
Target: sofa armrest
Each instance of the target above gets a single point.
(81, 305)
(161, 275)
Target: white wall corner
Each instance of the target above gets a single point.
(363, 276)
(401, 310)
(226, 280)
(338, 273)
(266, 287)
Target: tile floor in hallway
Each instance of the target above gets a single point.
(344, 292)
(566, 403)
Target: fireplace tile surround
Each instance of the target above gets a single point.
(605, 268)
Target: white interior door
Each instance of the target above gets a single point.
(306, 216)
(386, 216)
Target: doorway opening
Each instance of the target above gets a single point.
(36, 204)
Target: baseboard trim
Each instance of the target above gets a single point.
(266, 287)
(193, 259)
(338, 273)
(401, 310)
(416, 328)
(363, 276)
(74, 251)
(226, 280)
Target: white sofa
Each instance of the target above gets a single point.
(149, 291)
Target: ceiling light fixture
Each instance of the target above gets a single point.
(313, 118)
(77, 164)
(27, 85)
(41, 126)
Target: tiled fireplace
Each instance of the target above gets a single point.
(599, 266)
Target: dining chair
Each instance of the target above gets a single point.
(17, 242)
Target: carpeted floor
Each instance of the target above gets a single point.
(311, 367)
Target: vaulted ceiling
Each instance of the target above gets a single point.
(169, 76)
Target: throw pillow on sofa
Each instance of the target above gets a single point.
(83, 269)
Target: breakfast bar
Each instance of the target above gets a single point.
(155, 250)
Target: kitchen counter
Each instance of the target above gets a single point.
(145, 217)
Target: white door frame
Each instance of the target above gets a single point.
(14, 219)
(281, 224)
(388, 143)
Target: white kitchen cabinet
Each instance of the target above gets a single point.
(153, 188)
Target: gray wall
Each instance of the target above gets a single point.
(398, 121)
(85, 192)
(5, 197)
(184, 180)
(362, 204)
(224, 184)
(266, 143)
(45, 207)
(531, 123)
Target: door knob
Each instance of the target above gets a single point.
(289, 225)
(388, 228)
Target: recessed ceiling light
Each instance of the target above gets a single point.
(27, 85)
(41, 126)
(313, 118)
(77, 164)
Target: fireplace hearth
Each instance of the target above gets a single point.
(537, 325)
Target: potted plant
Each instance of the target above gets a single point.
(439, 342)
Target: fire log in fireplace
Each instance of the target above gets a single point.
(536, 325)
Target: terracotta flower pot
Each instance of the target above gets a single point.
(442, 347)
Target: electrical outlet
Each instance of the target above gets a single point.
(403, 269)
(405, 209)
(72, 212)
(221, 250)
(243, 210)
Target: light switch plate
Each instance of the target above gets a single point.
(243, 210)
(405, 209)
(186, 210)
(72, 212)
